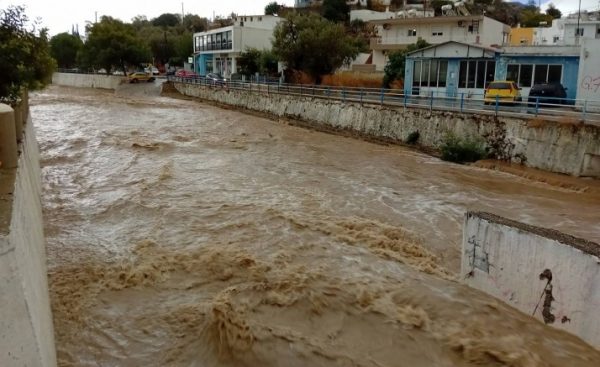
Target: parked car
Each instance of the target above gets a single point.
(502, 91)
(185, 73)
(547, 94)
(216, 79)
(152, 70)
(118, 72)
(140, 76)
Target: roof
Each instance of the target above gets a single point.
(460, 50)
(542, 50)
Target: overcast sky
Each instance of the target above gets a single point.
(59, 15)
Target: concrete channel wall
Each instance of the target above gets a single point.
(542, 272)
(568, 148)
(87, 80)
(26, 329)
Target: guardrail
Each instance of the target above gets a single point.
(560, 109)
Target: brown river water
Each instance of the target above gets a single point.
(182, 234)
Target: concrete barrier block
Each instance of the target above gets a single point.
(550, 275)
(8, 137)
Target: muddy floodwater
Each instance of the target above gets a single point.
(182, 234)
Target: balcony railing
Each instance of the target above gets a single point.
(575, 111)
(216, 46)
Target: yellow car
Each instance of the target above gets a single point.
(502, 91)
(140, 76)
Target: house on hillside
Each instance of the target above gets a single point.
(309, 3)
(397, 34)
(217, 50)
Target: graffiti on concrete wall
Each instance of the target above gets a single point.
(591, 83)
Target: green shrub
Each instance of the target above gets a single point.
(413, 138)
(455, 149)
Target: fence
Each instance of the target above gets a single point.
(562, 109)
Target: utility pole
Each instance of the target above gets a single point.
(182, 13)
(96, 13)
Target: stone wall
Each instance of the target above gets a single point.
(544, 273)
(550, 146)
(26, 329)
(87, 80)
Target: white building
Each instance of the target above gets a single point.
(217, 50)
(569, 31)
(397, 34)
(308, 3)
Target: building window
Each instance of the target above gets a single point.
(528, 74)
(430, 73)
(437, 32)
(476, 73)
(412, 32)
(474, 27)
(215, 41)
(555, 39)
(578, 32)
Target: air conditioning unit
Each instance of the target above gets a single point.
(461, 23)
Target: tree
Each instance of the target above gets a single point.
(183, 48)
(112, 43)
(25, 60)
(395, 66)
(64, 48)
(194, 23)
(249, 62)
(553, 12)
(533, 18)
(163, 47)
(166, 20)
(272, 8)
(311, 44)
(336, 10)
(254, 61)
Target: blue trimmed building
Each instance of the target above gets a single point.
(454, 68)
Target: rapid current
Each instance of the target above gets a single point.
(182, 234)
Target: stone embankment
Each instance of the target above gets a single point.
(567, 147)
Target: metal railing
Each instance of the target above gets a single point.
(558, 109)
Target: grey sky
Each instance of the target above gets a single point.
(59, 15)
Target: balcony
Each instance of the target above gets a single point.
(379, 44)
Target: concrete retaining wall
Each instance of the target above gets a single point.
(542, 272)
(87, 80)
(548, 146)
(26, 329)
